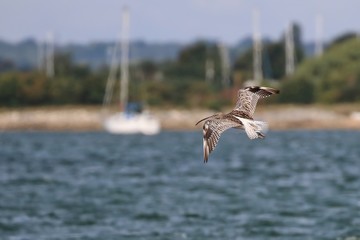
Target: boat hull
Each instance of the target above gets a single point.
(124, 123)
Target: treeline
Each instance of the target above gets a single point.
(170, 83)
(332, 77)
(72, 84)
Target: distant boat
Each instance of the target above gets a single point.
(132, 122)
(131, 119)
(355, 116)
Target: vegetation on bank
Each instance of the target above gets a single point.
(332, 77)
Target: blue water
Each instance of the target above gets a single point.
(291, 185)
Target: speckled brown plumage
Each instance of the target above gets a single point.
(240, 117)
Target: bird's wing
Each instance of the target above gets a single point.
(212, 130)
(249, 96)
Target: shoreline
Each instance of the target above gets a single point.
(88, 118)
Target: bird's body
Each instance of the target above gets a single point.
(240, 117)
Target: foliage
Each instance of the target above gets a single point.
(71, 84)
(9, 90)
(297, 91)
(333, 77)
(273, 57)
(190, 63)
(342, 38)
(180, 93)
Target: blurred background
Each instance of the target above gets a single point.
(64, 65)
(185, 54)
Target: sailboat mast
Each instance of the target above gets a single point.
(289, 50)
(225, 65)
(49, 55)
(257, 48)
(124, 84)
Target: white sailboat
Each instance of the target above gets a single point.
(131, 119)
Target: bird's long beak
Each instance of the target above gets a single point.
(204, 119)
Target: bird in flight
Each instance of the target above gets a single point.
(240, 117)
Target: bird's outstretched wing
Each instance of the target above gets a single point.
(249, 96)
(213, 127)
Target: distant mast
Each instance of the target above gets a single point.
(289, 50)
(124, 59)
(112, 75)
(257, 48)
(40, 52)
(49, 55)
(319, 26)
(225, 64)
(209, 70)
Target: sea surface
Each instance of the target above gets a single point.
(290, 185)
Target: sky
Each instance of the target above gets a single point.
(229, 21)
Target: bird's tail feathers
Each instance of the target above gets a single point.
(262, 127)
(255, 129)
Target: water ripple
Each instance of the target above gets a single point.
(291, 185)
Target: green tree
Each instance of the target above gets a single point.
(273, 56)
(297, 91)
(190, 63)
(342, 38)
(333, 77)
(9, 90)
